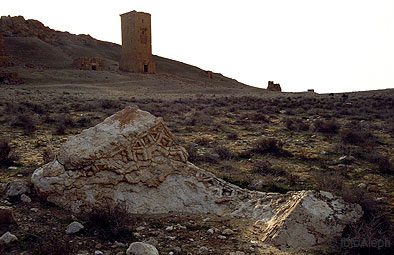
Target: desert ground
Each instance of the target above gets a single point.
(257, 139)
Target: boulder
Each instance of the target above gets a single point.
(139, 248)
(131, 159)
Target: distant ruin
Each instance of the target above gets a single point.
(9, 78)
(89, 63)
(136, 43)
(274, 86)
(4, 60)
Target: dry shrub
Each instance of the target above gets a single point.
(296, 124)
(265, 167)
(26, 122)
(357, 137)
(327, 126)
(7, 156)
(270, 145)
(110, 223)
(48, 155)
(223, 152)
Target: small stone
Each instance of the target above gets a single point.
(211, 231)
(362, 185)
(140, 228)
(17, 188)
(170, 228)
(382, 200)
(203, 250)
(7, 238)
(152, 241)
(139, 248)
(34, 209)
(177, 250)
(227, 232)
(237, 253)
(6, 215)
(98, 253)
(118, 245)
(12, 168)
(74, 227)
(25, 198)
(222, 237)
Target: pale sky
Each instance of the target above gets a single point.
(328, 45)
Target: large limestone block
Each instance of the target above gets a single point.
(132, 159)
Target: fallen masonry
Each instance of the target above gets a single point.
(132, 159)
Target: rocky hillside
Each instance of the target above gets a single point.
(29, 43)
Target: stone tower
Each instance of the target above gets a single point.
(136, 43)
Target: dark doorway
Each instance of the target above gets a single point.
(94, 68)
(145, 68)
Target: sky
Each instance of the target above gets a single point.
(326, 45)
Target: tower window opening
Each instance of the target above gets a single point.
(145, 68)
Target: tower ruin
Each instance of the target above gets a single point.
(136, 43)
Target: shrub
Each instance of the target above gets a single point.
(265, 167)
(232, 136)
(223, 152)
(203, 141)
(110, 224)
(24, 121)
(48, 155)
(382, 161)
(357, 137)
(296, 124)
(192, 151)
(327, 126)
(7, 157)
(270, 145)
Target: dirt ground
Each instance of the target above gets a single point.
(224, 131)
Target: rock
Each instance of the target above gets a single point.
(140, 228)
(139, 248)
(74, 227)
(203, 250)
(25, 198)
(362, 185)
(131, 159)
(210, 231)
(237, 253)
(346, 159)
(118, 245)
(17, 188)
(227, 232)
(222, 237)
(152, 241)
(34, 209)
(7, 238)
(382, 200)
(6, 215)
(170, 228)
(98, 253)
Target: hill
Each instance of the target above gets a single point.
(42, 55)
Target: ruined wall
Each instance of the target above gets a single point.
(9, 78)
(4, 61)
(136, 43)
(274, 86)
(89, 63)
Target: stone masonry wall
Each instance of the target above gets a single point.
(136, 43)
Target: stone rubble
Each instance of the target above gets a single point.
(131, 159)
